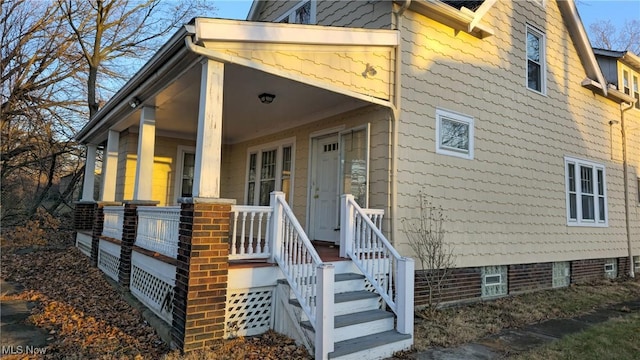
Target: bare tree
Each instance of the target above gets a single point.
(110, 34)
(426, 236)
(605, 35)
(37, 111)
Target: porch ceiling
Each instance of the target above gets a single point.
(244, 116)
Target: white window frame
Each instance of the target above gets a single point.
(611, 268)
(632, 80)
(636, 264)
(258, 150)
(291, 14)
(579, 220)
(182, 150)
(457, 117)
(543, 58)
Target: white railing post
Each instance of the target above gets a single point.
(346, 225)
(276, 225)
(406, 272)
(324, 312)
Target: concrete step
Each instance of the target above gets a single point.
(358, 324)
(377, 346)
(348, 282)
(347, 303)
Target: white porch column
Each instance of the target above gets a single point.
(206, 182)
(89, 173)
(146, 148)
(110, 167)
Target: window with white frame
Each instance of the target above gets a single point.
(494, 281)
(630, 84)
(269, 168)
(636, 264)
(536, 64)
(586, 193)
(454, 134)
(303, 13)
(185, 167)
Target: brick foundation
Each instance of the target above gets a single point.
(460, 284)
(199, 303)
(623, 267)
(83, 215)
(129, 229)
(586, 270)
(530, 277)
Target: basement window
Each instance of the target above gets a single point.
(610, 269)
(636, 264)
(494, 281)
(561, 274)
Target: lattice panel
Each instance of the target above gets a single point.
(248, 312)
(154, 292)
(382, 279)
(109, 264)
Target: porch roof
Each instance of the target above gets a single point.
(170, 79)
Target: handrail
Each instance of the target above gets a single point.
(253, 239)
(389, 273)
(295, 255)
(311, 280)
(113, 221)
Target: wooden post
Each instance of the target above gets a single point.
(276, 225)
(110, 167)
(146, 147)
(406, 274)
(89, 173)
(324, 311)
(346, 225)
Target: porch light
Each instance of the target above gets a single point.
(134, 102)
(266, 98)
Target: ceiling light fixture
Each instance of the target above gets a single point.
(266, 98)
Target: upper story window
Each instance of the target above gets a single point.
(302, 13)
(454, 134)
(630, 85)
(269, 168)
(586, 193)
(536, 68)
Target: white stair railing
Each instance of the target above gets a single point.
(250, 232)
(113, 221)
(158, 229)
(390, 274)
(310, 279)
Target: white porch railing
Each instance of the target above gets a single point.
(376, 216)
(250, 232)
(363, 242)
(158, 229)
(113, 222)
(310, 279)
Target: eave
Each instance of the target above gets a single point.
(463, 20)
(611, 94)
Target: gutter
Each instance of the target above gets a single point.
(393, 136)
(626, 183)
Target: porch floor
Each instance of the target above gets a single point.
(328, 252)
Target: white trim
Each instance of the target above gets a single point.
(258, 150)
(110, 156)
(579, 221)
(542, 38)
(457, 117)
(499, 282)
(291, 13)
(243, 31)
(182, 150)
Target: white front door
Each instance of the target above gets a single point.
(324, 189)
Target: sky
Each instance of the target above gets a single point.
(590, 10)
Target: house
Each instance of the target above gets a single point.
(242, 141)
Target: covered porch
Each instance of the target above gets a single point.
(247, 148)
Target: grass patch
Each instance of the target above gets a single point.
(456, 325)
(615, 339)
